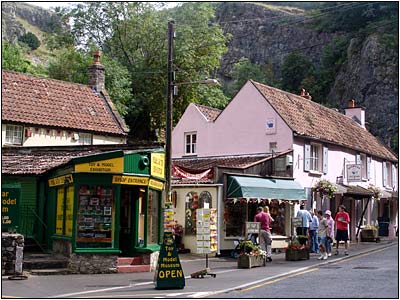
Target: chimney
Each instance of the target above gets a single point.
(96, 73)
(305, 94)
(356, 113)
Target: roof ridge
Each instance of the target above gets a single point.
(209, 107)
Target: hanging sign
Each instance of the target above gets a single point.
(130, 180)
(9, 207)
(169, 273)
(60, 180)
(353, 173)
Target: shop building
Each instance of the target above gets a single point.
(91, 208)
(323, 144)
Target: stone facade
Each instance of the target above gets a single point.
(88, 263)
(9, 243)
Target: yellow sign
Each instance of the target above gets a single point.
(131, 180)
(69, 210)
(60, 211)
(114, 165)
(60, 180)
(158, 185)
(157, 165)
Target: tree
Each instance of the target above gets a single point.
(134, 34)
(12, 58)
(295, 69)
(31, 40)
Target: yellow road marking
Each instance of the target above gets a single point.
(278, 279)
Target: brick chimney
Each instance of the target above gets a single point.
(96, 73)
(356, 113)
(305, 94)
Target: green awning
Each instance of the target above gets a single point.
(264, 188)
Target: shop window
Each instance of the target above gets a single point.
(205, 200)
(235, 216)
(190, 143)
(14, 134)
(278, 211)
(64, 210)
(153, 217)
(95, 219)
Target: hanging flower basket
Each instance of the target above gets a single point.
(325, 188)
(377, 191)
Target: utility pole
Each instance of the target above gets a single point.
(168, 140)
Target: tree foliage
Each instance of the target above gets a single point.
(295, 69)
(134, 34)
(31, 40)
(12, 58)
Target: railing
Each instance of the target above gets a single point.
(32, 226)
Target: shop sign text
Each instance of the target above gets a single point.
(114, 165)
(157, 165)
(130, 180)
(9, 207)
(66, 179)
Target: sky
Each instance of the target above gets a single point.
(49, 4)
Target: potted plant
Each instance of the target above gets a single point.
(295, 250)
(369, 234)
(325, 188)
(250, 255)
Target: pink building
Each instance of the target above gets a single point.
(322, 144)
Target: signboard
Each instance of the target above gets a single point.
(157, 185)
(297, 222)
(130, 180)
(60, 211)
(169, 273)
(157, 165)
(206, 230)
(114, 165)
(252, 227)
(353, 172)
(60, 180)
(69, 210)
(10, 198)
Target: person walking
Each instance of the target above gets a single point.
(322, 232)
(265, 237)
(331, 232)
(313, 232)
(306, 219)
(342, 220)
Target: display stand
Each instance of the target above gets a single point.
(206, 238)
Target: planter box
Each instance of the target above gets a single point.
(297, 254)
(369, 235)
(250, 261)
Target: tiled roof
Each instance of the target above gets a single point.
(310, 119)
(42, 101)
(237, 161)
(209, 113)
(38, 160)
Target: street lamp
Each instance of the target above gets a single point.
(171, 89)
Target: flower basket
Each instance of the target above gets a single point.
(250, 261)
(298, 254)
(369, 235)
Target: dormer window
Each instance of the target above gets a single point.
(14, 134)
(190, 142)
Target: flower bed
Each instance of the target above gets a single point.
(250, 261)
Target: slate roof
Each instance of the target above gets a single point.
(232, 161)
(38, 160)
(33, 100)
(310, 119)
(208, 112)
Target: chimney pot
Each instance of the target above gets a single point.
(352, 103)
(96, 57)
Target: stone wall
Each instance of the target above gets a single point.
(9, 243)
(83, 263)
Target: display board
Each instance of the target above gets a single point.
(169, 220)
(95, 216)
(10, 198)
(206, 235)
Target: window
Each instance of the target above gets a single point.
(64, 210)
(14, 134)
(388, 174)
(85, 139)
(273, 146)
(190, 143)
(315, 157)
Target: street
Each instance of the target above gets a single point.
(370, 271)
(370, 275)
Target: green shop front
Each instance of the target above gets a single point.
(105, 206)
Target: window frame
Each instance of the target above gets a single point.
(192, 145)
(10, 134)
(316, 162)
(84, 139)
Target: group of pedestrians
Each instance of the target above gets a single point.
(320, 230)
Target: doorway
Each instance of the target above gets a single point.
(127, 220)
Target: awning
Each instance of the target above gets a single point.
(264, 188)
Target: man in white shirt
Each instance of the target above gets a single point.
(306, 219)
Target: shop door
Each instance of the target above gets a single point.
(127, 221)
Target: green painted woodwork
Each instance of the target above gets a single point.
(97, 157)
(137, 163)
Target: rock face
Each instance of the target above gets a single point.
(11, 29)
(267, 35)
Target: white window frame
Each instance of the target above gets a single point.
(315, 157)
(85, 139)
(14, 134)
(190, 142)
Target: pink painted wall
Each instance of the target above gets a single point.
(239, 129)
